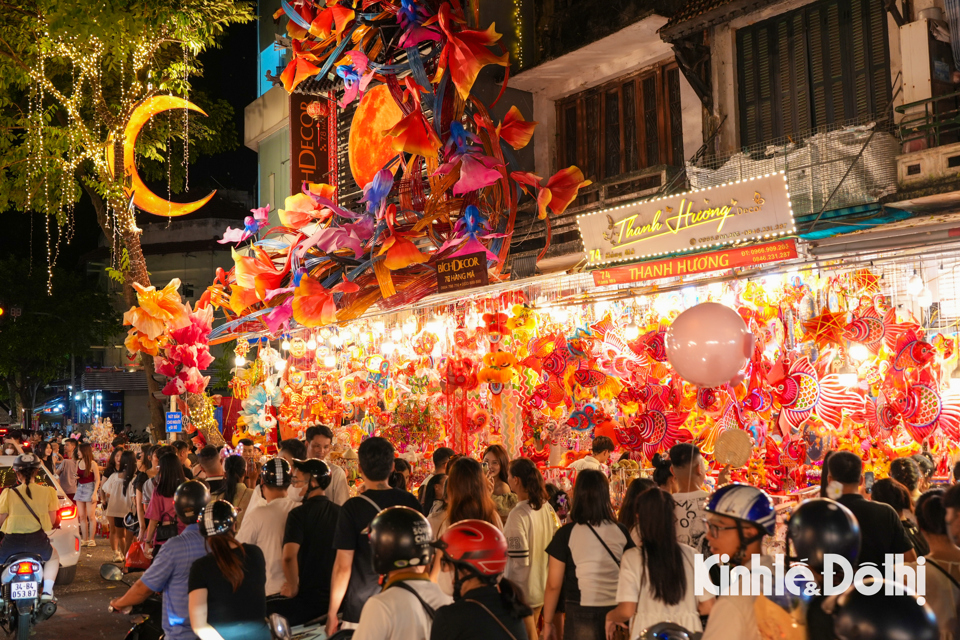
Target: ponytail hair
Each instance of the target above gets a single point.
(231, 566)
(512, 599)
(661, 469)
(27, 476)
(524, 470)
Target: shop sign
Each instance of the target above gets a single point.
(753, 209)
(462, 272)
(174, 422)
(700, 263)
(309, 141)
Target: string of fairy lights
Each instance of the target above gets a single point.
(53, 154)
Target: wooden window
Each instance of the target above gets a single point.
(822, 64)
(623, 126)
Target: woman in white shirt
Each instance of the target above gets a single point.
(584, 562)
(529, 529)
(657, 577)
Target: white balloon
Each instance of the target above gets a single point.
(708, 344)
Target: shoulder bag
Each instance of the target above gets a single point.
(944, 572)
(431, 612)
(615, 558)
(166, 529)
(498, 621)
(619, 633)
(30, 509)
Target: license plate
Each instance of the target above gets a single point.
(23, 590)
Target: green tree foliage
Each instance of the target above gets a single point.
(35, 348)
(71, 74)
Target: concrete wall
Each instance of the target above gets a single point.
(274, 179)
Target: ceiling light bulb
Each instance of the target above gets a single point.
(396, 334)
(915, 284)
(336, 341)
(285, 345)
(379, 327)
(387, 348)
(311, 344)
(330, 362)
(240, 361)
(410, 327)
(925, 297)
(280, 365)
(631, 331)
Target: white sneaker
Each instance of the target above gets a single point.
(90, 543)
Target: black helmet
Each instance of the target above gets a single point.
(275, 473)
(400, 537)
(25, 462)
(821, 526)
(218, 517)
(883, 617)
(190, 499)
(665, 631)
(316, 468)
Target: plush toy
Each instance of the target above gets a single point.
(498, 367)
(495, 324)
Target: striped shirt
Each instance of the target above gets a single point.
(170, 574)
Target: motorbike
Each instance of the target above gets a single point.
(21, 607)
(147, 615)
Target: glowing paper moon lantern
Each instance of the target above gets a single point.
(708, 344)
(368, 148)
(145, 199)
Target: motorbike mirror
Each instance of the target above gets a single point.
(279, 627)
(111, 572)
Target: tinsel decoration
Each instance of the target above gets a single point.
(200, 408)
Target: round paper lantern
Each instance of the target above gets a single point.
(369, 149)
(708, 344)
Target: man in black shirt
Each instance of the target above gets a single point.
(354, 580)
(880, 528)
(211, 471)
(308, 553)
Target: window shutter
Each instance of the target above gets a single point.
(793, 76)
(756, 85)
(676, 118)
(611, 134)
(650, 122)
(631, 161)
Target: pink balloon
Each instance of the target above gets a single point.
(708, 344)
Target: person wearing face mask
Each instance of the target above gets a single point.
(264, 526)
(689, 471)
(319, 443)
(308, 553)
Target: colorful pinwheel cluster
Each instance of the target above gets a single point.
(452, 188)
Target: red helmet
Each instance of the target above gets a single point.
(475, 545)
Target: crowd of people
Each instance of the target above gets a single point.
(485, 548)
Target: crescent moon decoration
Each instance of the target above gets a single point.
(143, 198)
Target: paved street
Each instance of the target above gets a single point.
(82, 610)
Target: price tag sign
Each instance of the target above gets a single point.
(174, 422)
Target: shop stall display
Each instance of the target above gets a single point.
(804, 362)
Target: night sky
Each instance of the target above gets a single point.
(229, 73)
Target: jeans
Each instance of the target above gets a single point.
(585, 623)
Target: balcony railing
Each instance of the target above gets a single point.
(930, 123)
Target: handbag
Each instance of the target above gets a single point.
(136, 558)
(166, 529)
